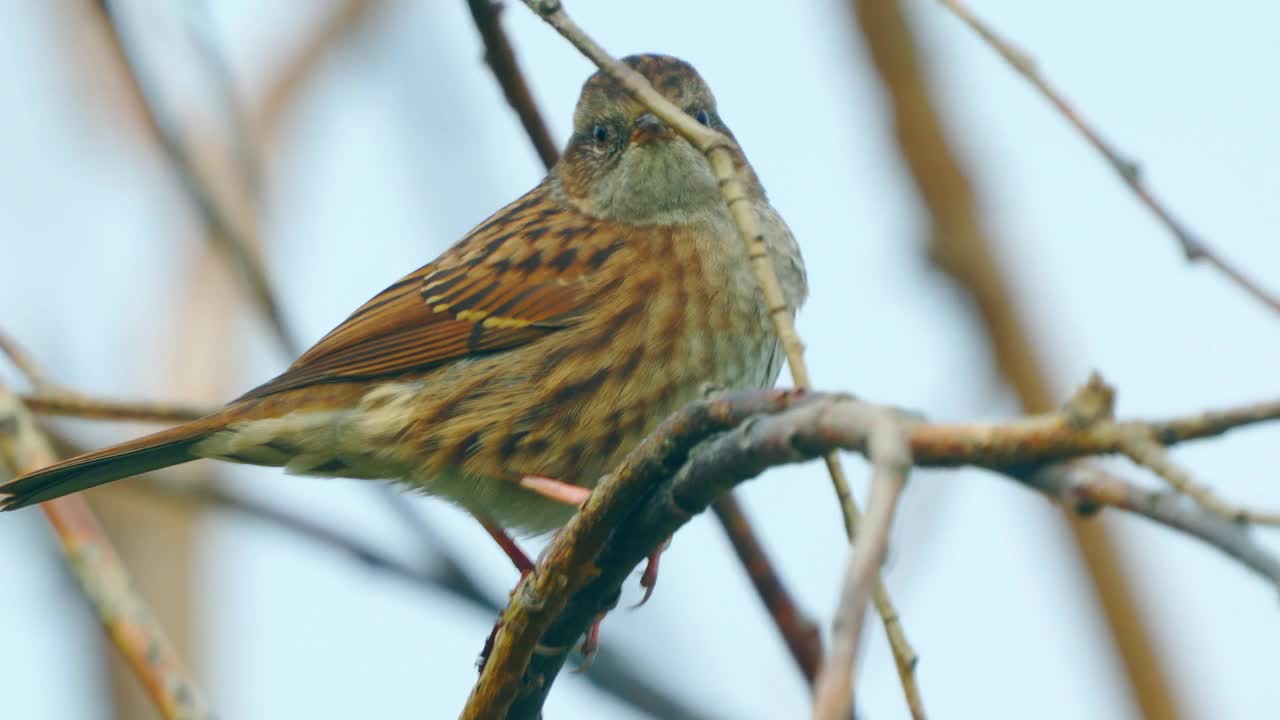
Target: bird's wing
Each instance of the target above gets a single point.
(520, 275)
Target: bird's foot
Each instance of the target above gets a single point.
(649, 578)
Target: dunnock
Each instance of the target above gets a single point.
(546, 343)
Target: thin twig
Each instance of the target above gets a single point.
(798, 631)
(1193, 248)
(128, 620)
(73, 404)
(501, 58)
(1142, 448)
(890, 457)
(1086, 489)
(23, 361)
(200, 23)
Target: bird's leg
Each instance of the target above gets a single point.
(523, 564)
(509, 546)
(557, 490)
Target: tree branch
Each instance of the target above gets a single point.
(1193, 248)
(663, 483)
(124, 614)
(963, 249)
(501, 58)
(225, 232)
(890, 458)
(67, 403)
(798, 631)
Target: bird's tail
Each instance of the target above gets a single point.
(153, 452)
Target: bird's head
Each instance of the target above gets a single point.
(623, 163)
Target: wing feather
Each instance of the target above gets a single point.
(492, 291)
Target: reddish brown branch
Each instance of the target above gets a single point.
(798, 631)
(501, 58)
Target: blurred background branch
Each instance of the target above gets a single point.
(960, 246)
(1129, 170)
(123, 612)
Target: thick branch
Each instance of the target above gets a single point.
(635, 508)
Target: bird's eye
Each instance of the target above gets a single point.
(600, 133)
(703, 117)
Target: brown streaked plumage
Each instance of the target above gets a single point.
(547, 342)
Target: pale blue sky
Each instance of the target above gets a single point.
(404, 142)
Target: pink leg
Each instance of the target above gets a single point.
(509, 546)
(518, 558)
(557, 490)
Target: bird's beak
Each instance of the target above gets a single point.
(648, 128)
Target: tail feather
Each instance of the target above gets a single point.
(153, 452)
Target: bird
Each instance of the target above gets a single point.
(536, 351)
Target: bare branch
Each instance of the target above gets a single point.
(637, 507)
(1084, 488)
(1193, 248)
(201, 29)
(230, 236)
(962, 247)
(1142, 448)
(23, 361)
(501, 58)
(797, 630)
(73, 404)
(890, 457)
(128, 620)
